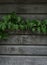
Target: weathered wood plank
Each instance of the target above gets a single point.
(23, 1)
(23, 60)
(34, 16)
(23, 8)
(25, 39)
(32, 50)
(30, 16)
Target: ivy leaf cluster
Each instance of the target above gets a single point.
(13, 22)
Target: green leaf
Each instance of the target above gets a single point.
(43, 28)
(16, 27)
(22, 27)
(6, 18)
(3, 26)
(38, 29)
(9, 25)
(33, 29)
(44, 22)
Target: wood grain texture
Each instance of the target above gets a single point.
(23, 8)
(23, 60)
(34, 16)
(16, 44)
(25, 39)
(32, 50)
(23, 1)
(30, 16)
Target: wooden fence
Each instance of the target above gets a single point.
(24, 49)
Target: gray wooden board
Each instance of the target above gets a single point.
(32, 50)
(23, 1)
(30, 16)
(23, 8)
(23, 60)
(34, 16)
(25, 39)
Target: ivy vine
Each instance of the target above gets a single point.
(13, 22)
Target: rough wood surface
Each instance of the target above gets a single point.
(23, 1)
(32, 50)
(30, 16)
(25, 39)
(23, 60)
(23, 8)
(34, 16)
(15, 50)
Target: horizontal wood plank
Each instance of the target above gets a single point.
(30, 16)
(23, 8)
(32, 50)
(23, 60)
(25, 39)
(34, 16)
(22, 1)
